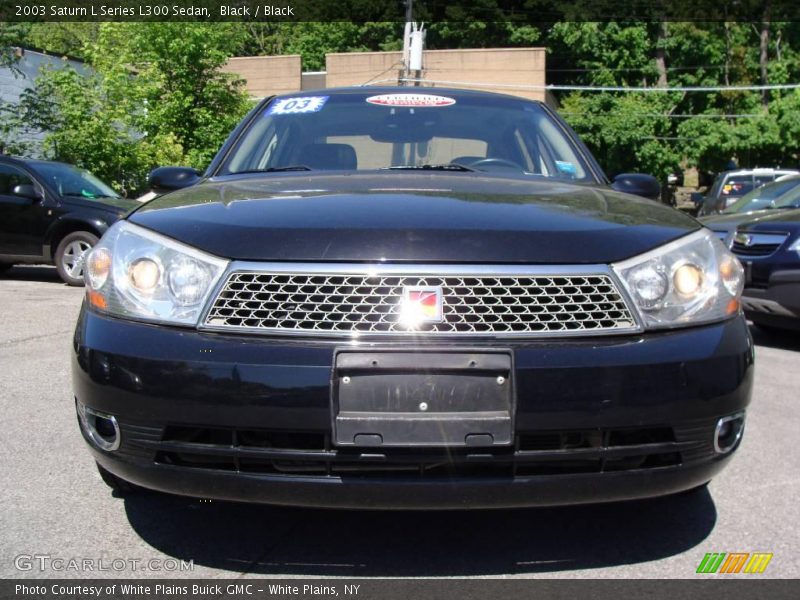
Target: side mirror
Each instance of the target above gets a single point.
(638, 184)
(168, 179)
(26, 190)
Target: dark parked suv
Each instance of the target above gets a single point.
(769, 248)
(409, 298)
(52, 212)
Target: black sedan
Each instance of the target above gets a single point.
(409, 298)
(769, 248)
(52, 212)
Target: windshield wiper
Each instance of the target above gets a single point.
(447, 167)
(85, 197)
(274, 169)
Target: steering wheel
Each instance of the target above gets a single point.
(499, 162)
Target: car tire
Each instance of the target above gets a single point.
(5, 267)
(117, 484)
(70, 255)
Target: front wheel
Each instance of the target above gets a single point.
(71, 254)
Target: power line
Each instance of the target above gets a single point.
(599, 88)
(396, 64)
(634, 69)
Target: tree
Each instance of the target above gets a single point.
(86, 129)
(62, 38)
(11, 35)
(156, 96)
(627, 132)
(313, 40)
(169, 77)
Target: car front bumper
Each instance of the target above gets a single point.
(777, 303)
(249, 418)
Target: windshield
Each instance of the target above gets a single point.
(790, 199)
(737, 185)
(414, 130)
(72, 181)
(764, 197)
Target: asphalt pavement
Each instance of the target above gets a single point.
(54, 507)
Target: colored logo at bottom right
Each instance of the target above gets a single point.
(725, 563)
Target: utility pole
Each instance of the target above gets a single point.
(416, 47)
(413, 47)
(406, 72)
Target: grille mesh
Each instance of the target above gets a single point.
(355, 304)
(755, 249)
(762, 244)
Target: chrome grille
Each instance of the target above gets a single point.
(757, 244)
(364, 303)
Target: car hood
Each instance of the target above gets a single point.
(723, 222)
(785, 221)
(404, 217)
(116, 205)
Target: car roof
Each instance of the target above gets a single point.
(760, 171)
(374, 89)
(789, 177)
(783, 179)
(33, 161)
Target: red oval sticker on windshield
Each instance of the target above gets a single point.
(411, 100)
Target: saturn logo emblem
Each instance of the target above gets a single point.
(420, 304)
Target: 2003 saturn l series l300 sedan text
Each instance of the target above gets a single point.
(394, 298)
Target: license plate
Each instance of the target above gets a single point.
(422, 398)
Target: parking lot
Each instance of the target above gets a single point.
(54, 503)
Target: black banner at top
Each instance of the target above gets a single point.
(520, 11)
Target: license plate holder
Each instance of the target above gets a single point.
(422, 398)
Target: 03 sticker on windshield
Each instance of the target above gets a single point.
(292, 106)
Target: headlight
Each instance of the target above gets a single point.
(692, 280)
(133, 272)
(795, 246)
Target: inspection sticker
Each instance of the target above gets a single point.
(293, 106)
(411, 100)
(566, 167)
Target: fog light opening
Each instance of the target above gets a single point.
(728, 432)
(100, 428)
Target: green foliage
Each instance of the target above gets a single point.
(62, 38)
(11, 35)
(313, 40)
(168, 75)
(87, 130)
(157, 96)
(768, 138)
(624, 131)
(651, 132)
(607, 53)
